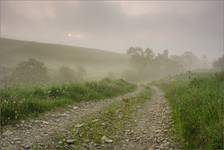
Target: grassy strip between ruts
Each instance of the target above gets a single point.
(20, 103)
(106, 127)
(197, 101)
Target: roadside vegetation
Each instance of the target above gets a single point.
(197, 101)
(106, 127)
(21, 102)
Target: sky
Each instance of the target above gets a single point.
(178, 26)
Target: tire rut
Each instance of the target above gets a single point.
(153, 124)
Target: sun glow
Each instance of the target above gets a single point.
(74, 35)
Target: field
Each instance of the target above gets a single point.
(197, 101)
(20, 103)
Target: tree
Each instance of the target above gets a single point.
(204, 62)
(149, 54)
(178, 63)
(147, 65)
(81, 72)
(135, 51)
(219, 64)
(31, 71)
(190, 61)
(140, 58)
(165, 54)
(68, 75)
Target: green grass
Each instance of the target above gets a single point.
(110, 123)
(197, 101)
(20, 103)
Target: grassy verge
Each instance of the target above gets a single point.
(106, 127)
(197, 102)
(19, 103)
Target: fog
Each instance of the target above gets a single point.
(88, 74)
(195, 26)
(54, 42)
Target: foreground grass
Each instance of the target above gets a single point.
(20, 103)
(197, 101)
(106, 127)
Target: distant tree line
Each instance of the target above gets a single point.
(34, 72)
(148, 65)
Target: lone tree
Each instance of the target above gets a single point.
(31, 71)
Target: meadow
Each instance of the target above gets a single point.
(197, 102)
(22, 102)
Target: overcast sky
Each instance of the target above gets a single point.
(195, 26)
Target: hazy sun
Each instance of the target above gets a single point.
(74, 35)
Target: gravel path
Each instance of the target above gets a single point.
(153, 124)
(41, 130)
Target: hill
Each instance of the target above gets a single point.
(54, 55)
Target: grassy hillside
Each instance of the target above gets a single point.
(94, 60)
(197, 101)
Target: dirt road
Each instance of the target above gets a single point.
(43, 129)
(153, 125)
(151, 130)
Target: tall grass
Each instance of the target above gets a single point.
(19, 103)
(198, 110)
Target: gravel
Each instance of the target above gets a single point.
(153, 125)
(42, 130)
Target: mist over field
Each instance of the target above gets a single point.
(111, 74)
(181, 36)
(116, 26)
